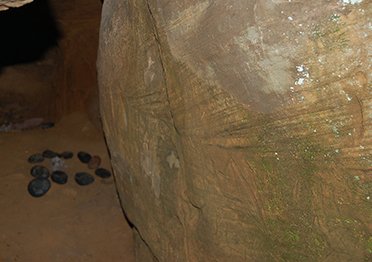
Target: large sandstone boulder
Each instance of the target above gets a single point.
(240, 130)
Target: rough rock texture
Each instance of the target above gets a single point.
(240, 130)
(6, 4)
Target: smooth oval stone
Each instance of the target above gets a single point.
(36, 158)
(49, 154)
(39, 171)
(59, 177)
(83, 178)
(103, 173)
(84, 157)
(38, 187)
(67, 155)
(94, 162)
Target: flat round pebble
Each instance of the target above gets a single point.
(38, 187)
(39, 171)
(59, 177)
(36, 158)
(84, 157)
(94, 162)
(103, 173)
(83, 178)
(67, 154)
(49, 154)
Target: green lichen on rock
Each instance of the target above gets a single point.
(287, 183)
(295, 176)
(369, 245)
(330, 34)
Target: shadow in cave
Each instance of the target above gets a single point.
(27, 33)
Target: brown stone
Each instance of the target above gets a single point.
(94, 162)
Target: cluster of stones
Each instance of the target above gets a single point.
(41, 184)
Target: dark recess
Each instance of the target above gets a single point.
(27, 33)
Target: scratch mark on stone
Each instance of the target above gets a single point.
(157, 40)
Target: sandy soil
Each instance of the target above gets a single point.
(70, 222)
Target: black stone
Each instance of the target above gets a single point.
(39, 171)
(84, 157)
(47, 125)
(67, 155)
(59, 177)
(103, 173)
(49, 154)
(36, 158)
(38, 187)
(83, 178)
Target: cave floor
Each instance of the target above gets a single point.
(70, 222)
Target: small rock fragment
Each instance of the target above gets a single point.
(67, 154)
(83, 178)
(38, 187)
(49, 154)
(39, 171)
(84, 157)
(103, 173)
(94, 162)
(59, 177)
(36, 158)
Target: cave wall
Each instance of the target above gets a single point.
(76, 81)
(240, 130)
(27, 61)
(48, 60)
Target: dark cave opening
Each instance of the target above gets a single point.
(47, 66)
(27, 33)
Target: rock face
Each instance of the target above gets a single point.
(240, 130)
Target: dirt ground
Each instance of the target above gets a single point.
(70, 222)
